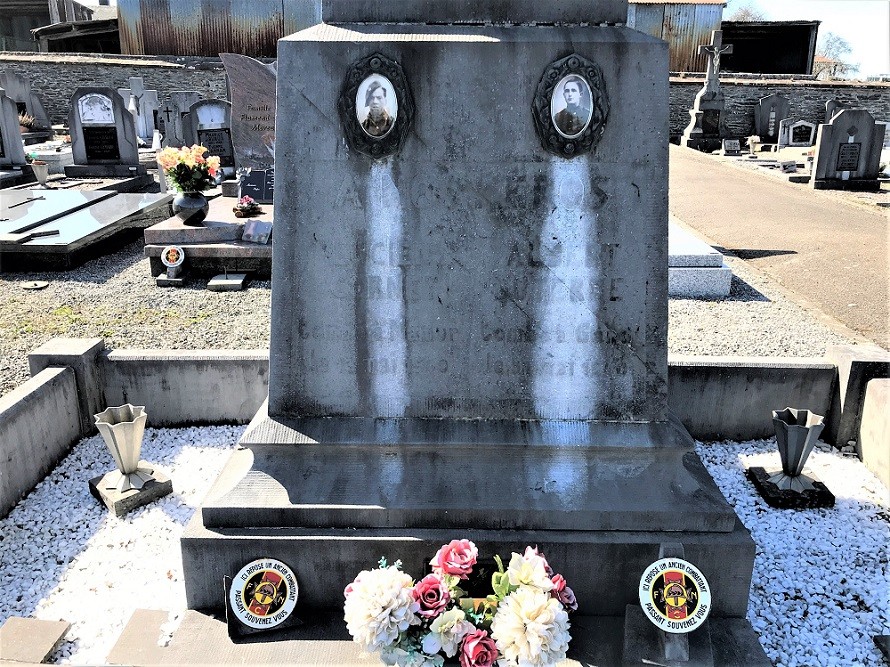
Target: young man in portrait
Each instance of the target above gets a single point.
(378, 122)
(571, 120)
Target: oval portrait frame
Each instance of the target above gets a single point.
(253, 579)
(552, 139)
(559, 108)
(688, 585)
(362, 97)
(357, 137)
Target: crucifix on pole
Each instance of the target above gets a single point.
(714, 50)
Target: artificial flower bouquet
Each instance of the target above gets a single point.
(523, 621)
(246, 206)
(187, 168)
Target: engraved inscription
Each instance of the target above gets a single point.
(710, 122)
(218, 142)
(100, 143)
(848, 157)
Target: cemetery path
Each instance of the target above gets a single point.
(826, 249)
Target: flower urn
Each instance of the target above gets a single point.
(122, 429)
(190, 207)
(796, 435)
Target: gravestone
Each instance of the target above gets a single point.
(768, 113)
(11, 152)
(145, 105)
(832, 107)
(707, 127)
(210, 124)
(252, 92)
(103, 134)
(26, 100)
(848, 152)
(175, 117)
(794, 132)
(469, 310)
(258, 184)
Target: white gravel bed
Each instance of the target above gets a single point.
(115, 298)
(821, 583)
(66, 557)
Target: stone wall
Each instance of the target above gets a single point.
(807, 97)
(55, 76)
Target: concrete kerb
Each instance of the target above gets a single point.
(856, 366)
(715, 397)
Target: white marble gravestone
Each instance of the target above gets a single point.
(210, 124)
(175, 117)
(146, 106)
(793, 132)
(103, 134)
(11, 152)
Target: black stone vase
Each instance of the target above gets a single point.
(191, 208)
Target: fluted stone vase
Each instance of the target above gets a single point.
(122, 429)
(796, 434)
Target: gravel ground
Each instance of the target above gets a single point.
(115, 298)
(820, 589)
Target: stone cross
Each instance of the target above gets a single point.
(714, 50)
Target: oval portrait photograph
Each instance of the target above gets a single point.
(570, 106)
(376, 106)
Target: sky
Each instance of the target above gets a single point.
(865, 24)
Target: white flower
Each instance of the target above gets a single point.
(379, 606)
(446, 633)
(529, 570)
(403, 658)
(531, 628)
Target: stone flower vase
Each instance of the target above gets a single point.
(122, 429)
(796, 435)
(41, 172)
(191, 208)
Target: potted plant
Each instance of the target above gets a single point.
(190, 171)
(27, 123)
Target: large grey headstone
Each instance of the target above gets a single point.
(146, 105)
(11, 151)
(26, 100)
(848, 151)
(768, 113)
(252, 92)
(102, 130)
(210, 124)
(175, 117)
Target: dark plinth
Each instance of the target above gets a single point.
(852, 184)
(642, 645)
(788, 499)
(121, 503)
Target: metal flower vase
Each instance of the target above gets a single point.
(796, 434)
(41, 173)
(122, 429)
(191, 208)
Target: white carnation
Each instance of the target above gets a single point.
(530, 570)
(402, 658)
(447, 632)
(379, 606)
(531, 628)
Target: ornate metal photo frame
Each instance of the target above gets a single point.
(390, 139)
(553, 139)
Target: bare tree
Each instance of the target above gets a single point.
(830, 62)
(747, 13)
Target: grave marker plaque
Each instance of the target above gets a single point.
(259, 184)
(848, 157)
(101, 143)
(218, 142)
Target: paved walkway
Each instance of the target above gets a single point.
(826, 249)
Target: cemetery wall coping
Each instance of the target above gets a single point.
(39, 421)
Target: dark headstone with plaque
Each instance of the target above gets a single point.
(258, 184)
(769, 112)
(103, 135)
(210, 124)
(252, 91)
(848, 152)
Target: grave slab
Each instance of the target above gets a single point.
(30, 640)
(228, 282)
(642, 645)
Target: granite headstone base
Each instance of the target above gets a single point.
(121, 502)
(814, 494)
(104, 170)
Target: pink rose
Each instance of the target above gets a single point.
(559, 583)
(432, 594)
(478, 650)
(533, 551)
(457, 557)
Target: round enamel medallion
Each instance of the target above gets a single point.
(264, 593)
(675, 595)
(172, 256)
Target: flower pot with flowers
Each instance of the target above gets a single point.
(190, 171)
(246, 207)
(522, 621)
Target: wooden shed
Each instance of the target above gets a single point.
(683, 25)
